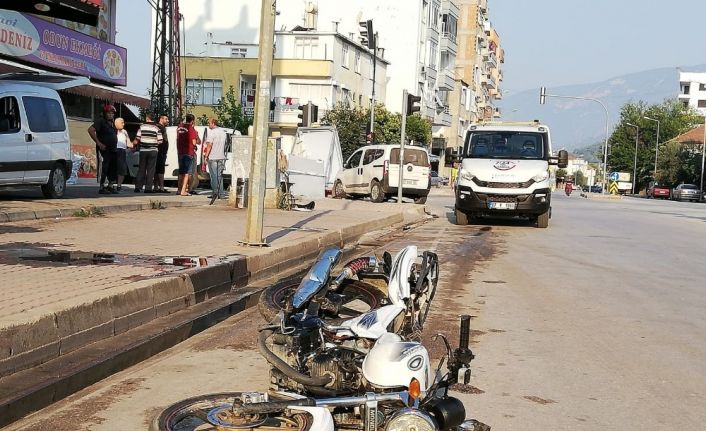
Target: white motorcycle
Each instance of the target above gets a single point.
(408, 396)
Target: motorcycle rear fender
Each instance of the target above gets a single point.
(398, 288)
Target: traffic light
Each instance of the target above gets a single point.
(313, 113)
(542, 95)
(412, 104)
(367, 37)
(303, 116)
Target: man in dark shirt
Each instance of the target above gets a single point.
(105, 135)
(187, 140)
(161, 156)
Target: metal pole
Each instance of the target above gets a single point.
(703, 158)
(656, 150)
(634, 168)
(258, 161)
(372, 103)
(404, 126)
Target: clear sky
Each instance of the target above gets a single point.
(561, 42)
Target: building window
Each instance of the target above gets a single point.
(702, 87)
(686, 89)
(306, 48)
(345, 56)
(357, 62)
(346, 97)
(449, 24)
(425, 11)
(238, 52)
(702, 104)
(433, 51)
(447, 60)
(204, 91)
(434, 17)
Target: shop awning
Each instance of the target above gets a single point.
(90, 89)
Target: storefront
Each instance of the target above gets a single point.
(39, 44)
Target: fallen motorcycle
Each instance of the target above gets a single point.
(408, 396)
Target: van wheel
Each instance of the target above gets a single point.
(461, 218)
(543, 220)
(420, 200)
(376, 193)
(56, 186)
(338, 192)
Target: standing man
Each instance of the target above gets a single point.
(161, 156)
(186, 150)
(105, 135)
(215, 155)
(149, 137)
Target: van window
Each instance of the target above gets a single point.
(44, 115)
(372, 155)
(411, 155)
(354, 160)
(9, 115)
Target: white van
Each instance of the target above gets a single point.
(34, 133)
(373, 171)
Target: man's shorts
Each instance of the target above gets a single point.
(161, 162)
(121, 163)
(185, 162)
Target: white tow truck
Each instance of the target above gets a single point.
(503, 169)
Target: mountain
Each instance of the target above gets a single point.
(577, 123)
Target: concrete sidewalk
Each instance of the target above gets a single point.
(67, 283)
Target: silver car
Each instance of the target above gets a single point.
(686, 192)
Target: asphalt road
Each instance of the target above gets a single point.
(594, 323)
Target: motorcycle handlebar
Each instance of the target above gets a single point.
(465, 331)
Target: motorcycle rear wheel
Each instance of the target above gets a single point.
(191, 414)
(360, 298)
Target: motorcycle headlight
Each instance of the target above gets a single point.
(466, 175)
(541, 177)
(411, 420)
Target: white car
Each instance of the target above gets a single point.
(373, 171)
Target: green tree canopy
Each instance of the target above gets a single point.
(229, 113)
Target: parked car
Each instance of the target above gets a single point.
(34, 133)
(688, 192)
(373, 171)
(596, 189)
(438, 180)
(655, 191)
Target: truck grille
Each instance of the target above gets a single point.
(501, 198)
(494, 185)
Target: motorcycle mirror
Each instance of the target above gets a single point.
(387, 262)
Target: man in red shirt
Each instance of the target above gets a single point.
(186, 150)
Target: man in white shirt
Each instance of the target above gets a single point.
(215, 156)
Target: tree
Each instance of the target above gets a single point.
(230, 113)
(418, 130)
(561, 173)
(579, 178)
(674, 119)
(351, 124)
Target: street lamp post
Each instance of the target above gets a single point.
(543, 94)
(703, 159)
(656, 146)
(634, 167)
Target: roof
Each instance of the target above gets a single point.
(694, 135)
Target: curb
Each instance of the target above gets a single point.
(14, 216)
(37, 348)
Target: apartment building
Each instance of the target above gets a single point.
(692, 90)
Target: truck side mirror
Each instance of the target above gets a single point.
(563, 161)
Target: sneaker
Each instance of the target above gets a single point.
(103, 191)
(113, 191)
(119, 188)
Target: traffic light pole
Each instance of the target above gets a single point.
(372, 103)
(258, 160)
(404, 132)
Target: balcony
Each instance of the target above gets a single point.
(449, 42)
(447, 81)
(490, 58)
(442, 118)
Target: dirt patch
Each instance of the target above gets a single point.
(496, 331)
(539, 400)
(466, 389)
(494, 282)
(89, 410)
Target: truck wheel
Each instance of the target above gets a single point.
(420, 200)
(338, 192)
(56, 186)
(461, 218)
(543, 219)
(376, 193)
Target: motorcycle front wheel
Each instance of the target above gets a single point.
(359, 298)
(211, 412)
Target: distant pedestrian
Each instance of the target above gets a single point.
(105, 135)
(122, 148)
(187, 140)
(454, 175)
(215, 155)
(161, 156)
(148, 139)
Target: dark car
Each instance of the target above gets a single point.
(438, 180)
(656, 191)
(686, 192)
(596, 189)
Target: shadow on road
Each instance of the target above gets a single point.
(296, 226)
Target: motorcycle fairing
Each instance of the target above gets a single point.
(317, 277)
(393, 363)
(373, 324)
(398, 287)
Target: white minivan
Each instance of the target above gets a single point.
(34, 134)
(373, 170)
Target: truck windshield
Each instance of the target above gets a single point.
(505, 145)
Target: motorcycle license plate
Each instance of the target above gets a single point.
(502, 205)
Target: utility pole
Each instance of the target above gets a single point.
(703, 159)
(258, 161)
(372, 103)
(634, 166)
(403, 137)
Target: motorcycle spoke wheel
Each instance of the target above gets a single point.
(213, 412)
(359, 298)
